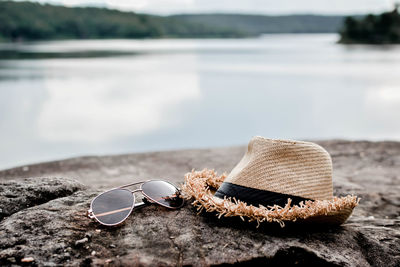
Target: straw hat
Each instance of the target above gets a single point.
(276, 180)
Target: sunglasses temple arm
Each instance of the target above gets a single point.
(140, 205)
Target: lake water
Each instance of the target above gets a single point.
(69, 98)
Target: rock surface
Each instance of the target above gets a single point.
(43, 220)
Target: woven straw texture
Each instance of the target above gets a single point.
(199, 187)
(295, 168)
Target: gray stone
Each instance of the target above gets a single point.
(82, 241)
(43, 219)
(19, 195)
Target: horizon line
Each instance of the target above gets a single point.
(215, 12)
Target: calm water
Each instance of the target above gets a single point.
(71, 98)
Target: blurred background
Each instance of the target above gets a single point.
(95, 77)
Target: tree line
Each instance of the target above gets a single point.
(372, 29)
(34, 21)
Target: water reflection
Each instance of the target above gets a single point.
(383, 109)
(137, 99)
(193, 93)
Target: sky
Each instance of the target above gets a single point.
(273, 7)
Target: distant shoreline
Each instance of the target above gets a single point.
(50, 22)
(380, 29)
(24, 41)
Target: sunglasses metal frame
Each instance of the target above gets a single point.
(148, 200)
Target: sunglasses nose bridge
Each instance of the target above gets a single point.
(137, 190)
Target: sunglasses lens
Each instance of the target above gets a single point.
(163, 193)
(113, 207)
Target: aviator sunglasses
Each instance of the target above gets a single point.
(114, 206)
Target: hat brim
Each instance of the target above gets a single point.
(199, 186)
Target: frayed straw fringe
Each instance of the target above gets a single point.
(197, 187)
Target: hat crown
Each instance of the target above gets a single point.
(296, 168)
